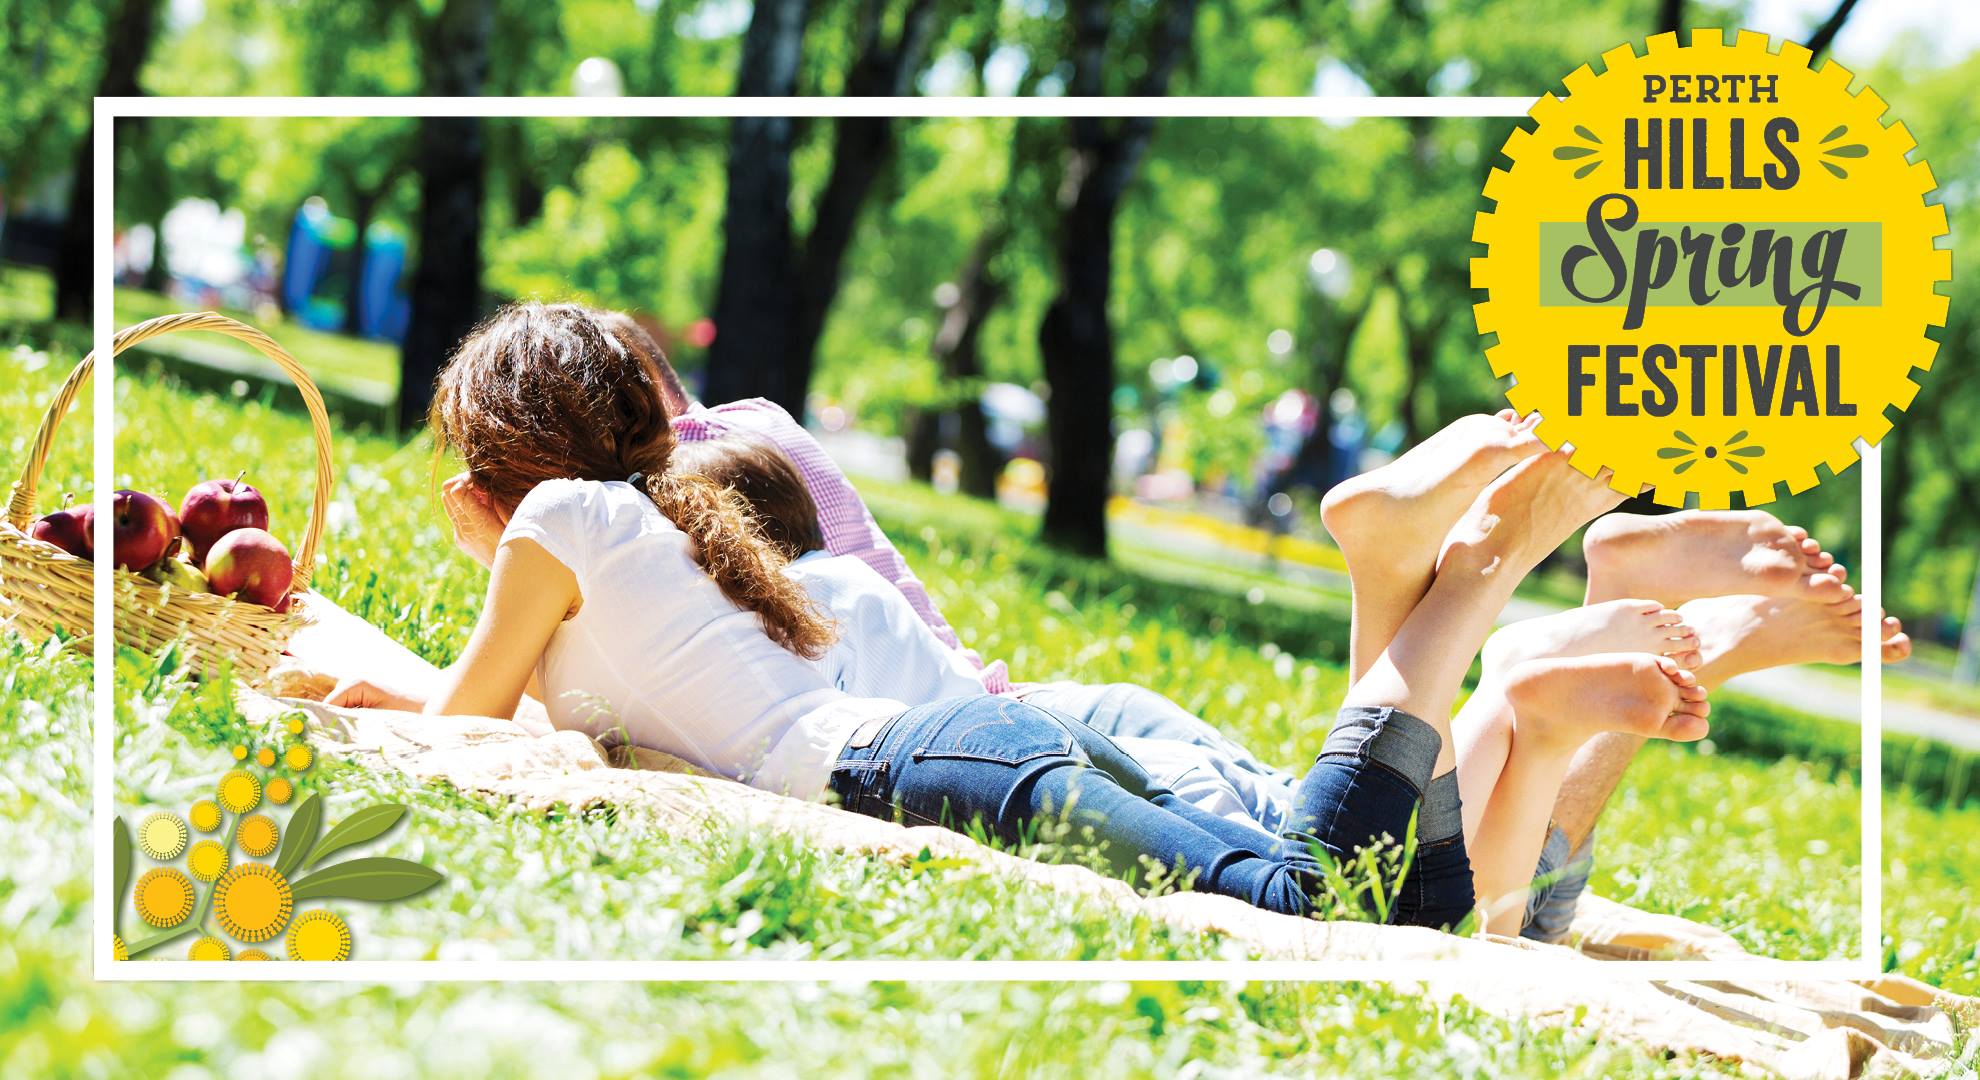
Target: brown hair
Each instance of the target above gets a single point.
(764, 475)
(634, 336)
(544, 392)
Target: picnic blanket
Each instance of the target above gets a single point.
(1810, 1028)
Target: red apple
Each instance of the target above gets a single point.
(72, 528)
(144, 528)
(250, 565)
(214, 508)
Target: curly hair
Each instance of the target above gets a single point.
(754, 468)
(545, 391)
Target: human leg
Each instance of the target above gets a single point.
(1389, 760)
(1016, 770)
(1559, 704)
(1390, 522)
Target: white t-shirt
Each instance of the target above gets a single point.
(657, 656)
(884, 649)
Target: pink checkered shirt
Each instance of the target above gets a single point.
(848, 526)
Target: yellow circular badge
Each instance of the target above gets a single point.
(1710, 268)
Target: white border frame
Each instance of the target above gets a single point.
(108, 110)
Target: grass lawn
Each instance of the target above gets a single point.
(1764, 848)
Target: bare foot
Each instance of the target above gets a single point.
(1568, 700)
(1392, 520)
(1524, 515)
(1616, 626)
(1738, 634)
(1673, 558)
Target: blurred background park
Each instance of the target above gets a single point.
(1149, 344)
(1171, 334)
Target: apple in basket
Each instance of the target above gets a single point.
(72, 528)
(175, 571)
(251, 565)
(143, 529)
(214, 508)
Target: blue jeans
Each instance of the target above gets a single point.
(1219, 775)
(1012, 768)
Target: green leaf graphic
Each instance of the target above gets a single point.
(377, 878)
(1674, 451)
(366, 824)
(1586, 169)
(299, 834)
(1569, 153)
(1586, 134)
(120, 871)
(1852, 150)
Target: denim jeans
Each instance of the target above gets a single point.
(1557, 886)
(1217, 774)
(1014, 769)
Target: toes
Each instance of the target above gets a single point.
(1796, 533)
(1897, 648)
(1837, 571)
(1689, 660)
(1826, 587)
(1686, 727)
(1679, 675)
(1849, 605)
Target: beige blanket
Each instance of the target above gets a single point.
(1816, 1029)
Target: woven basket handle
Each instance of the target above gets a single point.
(20, 506)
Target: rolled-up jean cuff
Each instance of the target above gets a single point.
(1442, 815)
(1560, 879)
(1403, 744)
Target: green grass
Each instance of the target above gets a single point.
(338, 361)
(1764, 848)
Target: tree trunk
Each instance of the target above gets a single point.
(756, 296)
(157, 276)
(957, 351)
(1075, 339)
(861, 147)
(125, 49)
(1670, 16)
(446, 289)
(361, 214)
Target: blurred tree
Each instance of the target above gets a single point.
(127, 42)
(1075, 338)
(775, 291)
(50, 57)
(446, 287)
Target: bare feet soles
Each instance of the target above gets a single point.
(1738, 634)
(1616, 626)
(1678, 557)
(1393, 519)
(1524, 515)
(1565, 701)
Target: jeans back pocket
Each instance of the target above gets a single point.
(997, 730)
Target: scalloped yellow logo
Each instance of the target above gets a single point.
(1710, 268)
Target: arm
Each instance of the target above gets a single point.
(529, 595)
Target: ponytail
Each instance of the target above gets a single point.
(748, 570)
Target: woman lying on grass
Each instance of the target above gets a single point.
(638, 601)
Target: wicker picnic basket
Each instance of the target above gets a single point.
(43, 588)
